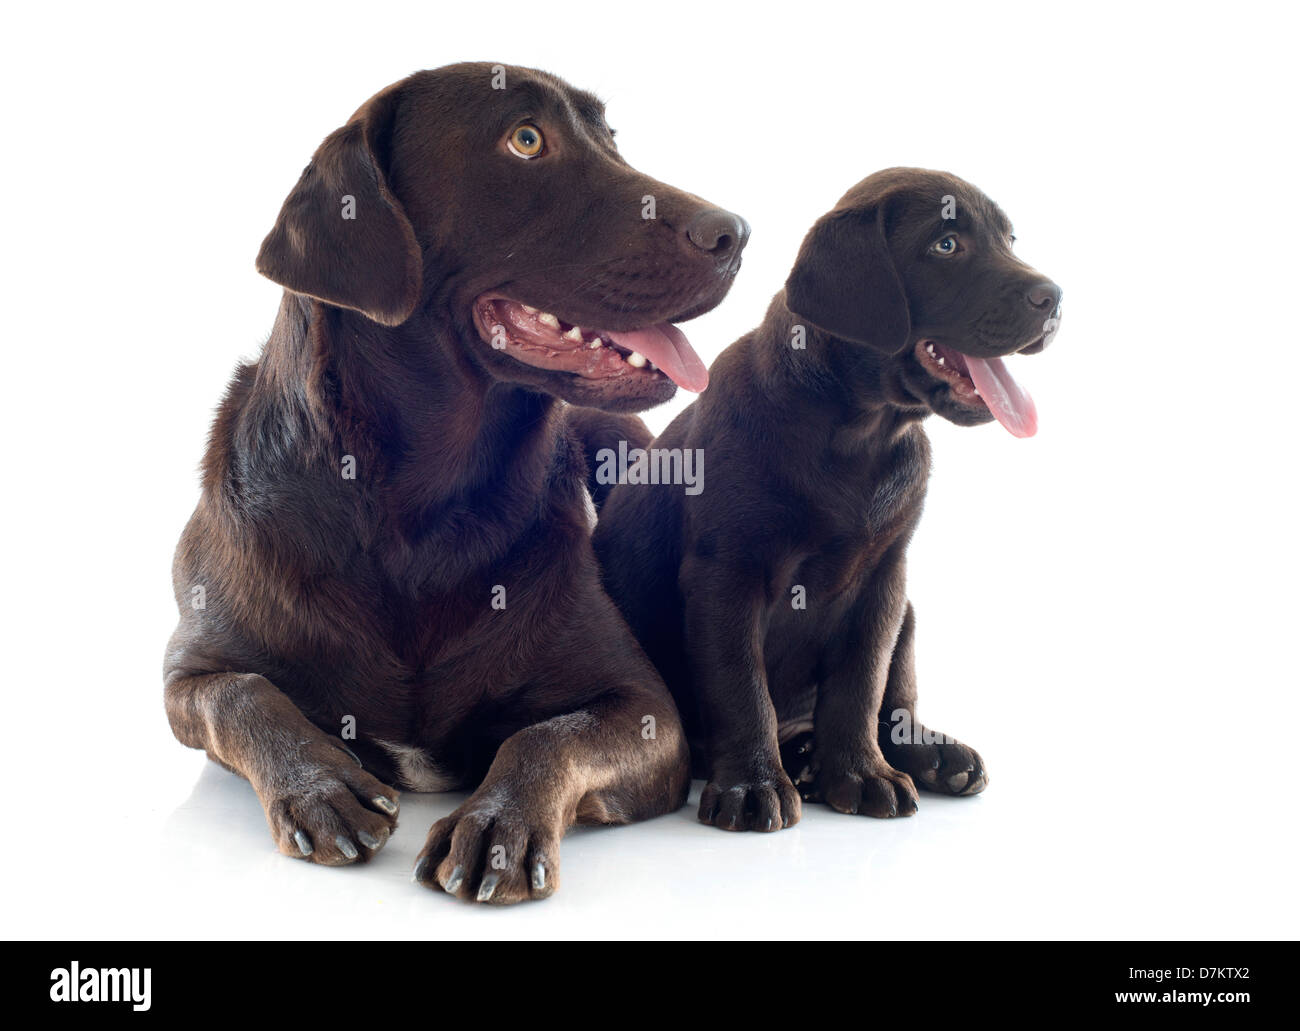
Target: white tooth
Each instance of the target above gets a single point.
(636, 360)
(653, 365)
(940, 361)
(930, 348)
(547, 319)
(530, 309)
(977, 391)
(595, 343)
(575, 334)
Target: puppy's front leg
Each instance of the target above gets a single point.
(852, 774)
(320, 804)
(934, 760)
(748, 789)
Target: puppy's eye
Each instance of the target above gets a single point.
(946, 247)
(525, 142)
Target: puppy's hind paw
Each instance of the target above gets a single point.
(945, 766)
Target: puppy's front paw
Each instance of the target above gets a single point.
(492, 850)
(939, 763)
(759, 798)
(323, 807)
(866, 786)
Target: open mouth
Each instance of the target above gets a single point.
(545, 341)
(982, 383)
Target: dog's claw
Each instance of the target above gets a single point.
(517, 838)
(304, 843)
(346, 847)
(355, 759)
(368, 839)
(417, 875)
(386, 804)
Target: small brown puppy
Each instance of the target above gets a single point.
(773, 600)
(389, 578)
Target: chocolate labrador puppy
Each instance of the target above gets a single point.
(773, 600)
(389, 578)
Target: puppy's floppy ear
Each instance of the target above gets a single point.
(844, 281)
(370, 261)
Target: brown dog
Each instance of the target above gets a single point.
(773, 600)
(392, 546)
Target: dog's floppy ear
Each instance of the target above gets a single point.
(844, 281)
(342, 236)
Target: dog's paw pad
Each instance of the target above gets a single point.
(943, 765)
(961, 771)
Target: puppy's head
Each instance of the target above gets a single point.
(494, 199)
(917, 267)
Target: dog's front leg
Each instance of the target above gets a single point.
(320, 804)
(725, 616)
(934, 760)
(622, 757)
(852, 774)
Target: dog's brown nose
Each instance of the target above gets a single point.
(1045, 296)
(719, 232)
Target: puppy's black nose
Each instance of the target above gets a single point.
(1044, 296)
(718, 232)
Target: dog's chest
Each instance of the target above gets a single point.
(416, 769)
(860, 519)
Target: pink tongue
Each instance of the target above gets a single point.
(1006, 399)
(668, 348)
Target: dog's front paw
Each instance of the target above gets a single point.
(758, 798)
(492, 849)
(867, 786)
(323, 807)
(940, 763)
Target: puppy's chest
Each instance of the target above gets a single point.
(855, 524)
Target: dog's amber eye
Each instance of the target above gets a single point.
(946, 246)
(525, 142)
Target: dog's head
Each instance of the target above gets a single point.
(494, 198)
(917, 267)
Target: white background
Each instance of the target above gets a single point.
(1106, 611)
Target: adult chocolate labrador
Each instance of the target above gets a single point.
(773, 601)
(391, 554)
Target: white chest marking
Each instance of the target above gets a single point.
(416, 771)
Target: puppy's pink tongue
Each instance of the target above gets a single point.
(1006, 398)
(668, 348)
